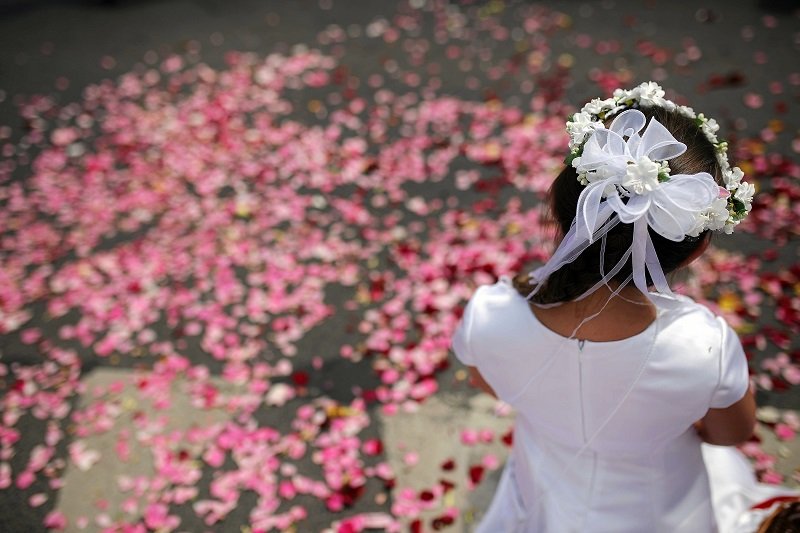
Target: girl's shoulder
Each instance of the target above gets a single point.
(497, 291)
(679, 307)
(488, 315)
(497, 297)
(685, 323)
(495, 309)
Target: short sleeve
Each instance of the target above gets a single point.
(461, 338)
(734, 377)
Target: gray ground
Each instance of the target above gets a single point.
(43, 41)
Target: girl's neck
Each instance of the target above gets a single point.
(626, 314)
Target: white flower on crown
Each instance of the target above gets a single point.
(669, 105)
(641, 176)
(709, 124)
(649, 94)
(722, 161)
(709, 127)
(718, 214)
(744, 193)
(733, 178)
(597, 106)
(579, 126)
(686, 111)
(621, 94)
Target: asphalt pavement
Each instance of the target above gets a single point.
(737, 60)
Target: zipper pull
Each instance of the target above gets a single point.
(581, 342)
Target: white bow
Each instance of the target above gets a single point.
(620, 164)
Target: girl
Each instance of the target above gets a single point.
(617, 381)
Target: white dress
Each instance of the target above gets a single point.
(603, 440)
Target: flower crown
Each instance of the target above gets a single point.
(645, 173)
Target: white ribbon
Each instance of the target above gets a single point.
(620, 164)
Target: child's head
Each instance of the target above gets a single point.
(576, 277)
(704, 154)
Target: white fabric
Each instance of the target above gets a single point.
(603, 440)
(735, 490)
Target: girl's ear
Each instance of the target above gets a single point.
(699, 251)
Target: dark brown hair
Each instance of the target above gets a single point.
(785, 519)
(575, 278)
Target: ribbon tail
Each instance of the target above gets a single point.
(572, 245)
(639, 254)
(654, 268)
(591, 212)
